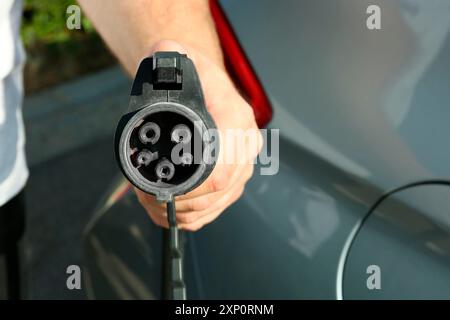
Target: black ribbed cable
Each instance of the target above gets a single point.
(177, 285)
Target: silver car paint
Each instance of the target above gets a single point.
(407, 238)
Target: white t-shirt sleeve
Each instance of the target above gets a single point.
(13, 168)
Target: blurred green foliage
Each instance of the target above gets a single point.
(54, 53)
(44, 21)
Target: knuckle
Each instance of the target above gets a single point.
(241, 192)
(254, 143)
(260, 142)
(199, 203)
(249, 115)
(218, 182)
(187, 218)
(238, 195)
(250, 172)
(248, 121)
(247, 174)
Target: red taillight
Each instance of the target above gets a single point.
(239, 67)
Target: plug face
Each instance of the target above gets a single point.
(153, 152)
(164, 144)
(164, 150)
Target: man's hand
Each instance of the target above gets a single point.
(134, 30)
(226, 183)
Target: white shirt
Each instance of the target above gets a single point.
(13, 168)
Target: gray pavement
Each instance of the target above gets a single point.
(70, 152)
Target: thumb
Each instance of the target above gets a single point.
(167, 45)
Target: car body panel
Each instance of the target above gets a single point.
(408, 238)
(123, 249)
(372, 102)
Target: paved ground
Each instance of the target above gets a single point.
(70, 151)
(61, 195)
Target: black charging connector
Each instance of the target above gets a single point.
(163, 143)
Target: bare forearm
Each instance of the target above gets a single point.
(132, 27)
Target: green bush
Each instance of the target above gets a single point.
(44, 21)
(56, 54)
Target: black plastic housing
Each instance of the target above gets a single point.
(166, 103)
